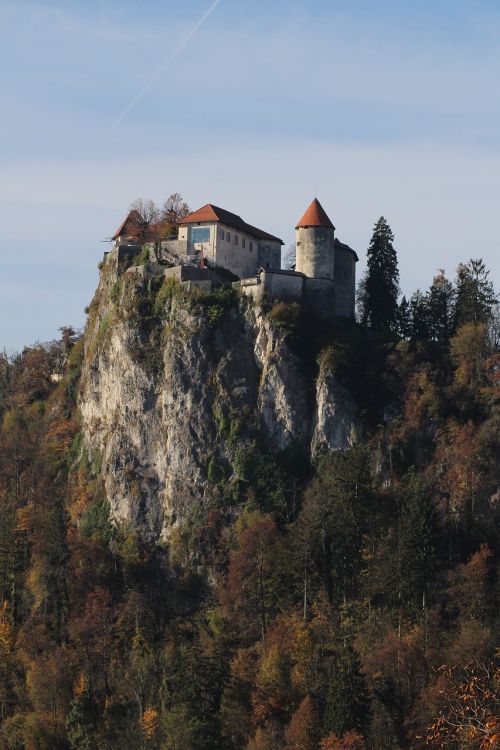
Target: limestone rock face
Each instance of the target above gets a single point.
(166, 381)
(334, 419)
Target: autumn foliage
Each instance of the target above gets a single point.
(348, 601)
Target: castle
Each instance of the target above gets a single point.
(211, 238)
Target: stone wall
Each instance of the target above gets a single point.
(315, 252)
(345, 280)
(274, 285)
(320, 295)
(269, 254)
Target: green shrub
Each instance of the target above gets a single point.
(142, 257)
(284, 315)
(96, 522)
(74, 368)
(223, 296)
(214, 314)
(116, 292)
(104, 327)
(215, 472)
(169, 289)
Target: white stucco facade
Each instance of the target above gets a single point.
(222, 245)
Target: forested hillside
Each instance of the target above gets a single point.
(341, 602)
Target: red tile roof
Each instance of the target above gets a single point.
(214, 213)
(315, 216)
(129, 226)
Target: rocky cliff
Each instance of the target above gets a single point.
(176, 385)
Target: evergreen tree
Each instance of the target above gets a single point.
(346, 705)
(418, 542)
(335, 515)
(80, 723)
(419, 316)
(475, 294)
(381, 286)
(404, 322)
(441, 308)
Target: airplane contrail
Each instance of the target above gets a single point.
(160, 70)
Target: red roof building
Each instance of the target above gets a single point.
(211, 213)
(130, 227)
(315, 216)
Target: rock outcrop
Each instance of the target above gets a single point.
(169, 375)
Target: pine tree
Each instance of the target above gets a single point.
(441, 308)
(419, 316)
(475, 294)
(334, 518)
(346, 705)
(418, 542)
(404, 322)
(381, 285)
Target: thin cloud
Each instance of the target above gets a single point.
(163, 67)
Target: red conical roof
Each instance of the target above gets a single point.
(315, 216)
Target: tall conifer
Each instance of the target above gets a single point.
(441, 308)
(381, 285)
(475, 294)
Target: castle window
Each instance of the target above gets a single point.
(299, 243)
(228, 237)
(243, 242)
(221, 234)
(201, 234)
(251, 246)
(235, 239)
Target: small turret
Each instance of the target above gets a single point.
(315, 237)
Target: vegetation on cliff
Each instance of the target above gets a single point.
(343, 604)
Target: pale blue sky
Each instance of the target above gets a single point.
(381, 108)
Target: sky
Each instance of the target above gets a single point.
(389, 108)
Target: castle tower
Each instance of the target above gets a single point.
(315, 237)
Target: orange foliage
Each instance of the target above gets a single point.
(421, 402)
(149, 724)
(350, 741)
(470, 586)
(59, 437)
(80, 686)
(459, 458)
(470, 707)
(246, 595)
(303, 730)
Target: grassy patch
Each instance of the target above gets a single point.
(285, 315)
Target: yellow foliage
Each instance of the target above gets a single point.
(24, 518)
(469, 350)
(80, 495)
(36, 585)
(149, 723)
(6, 630)
(80, 686)
(302, 653)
